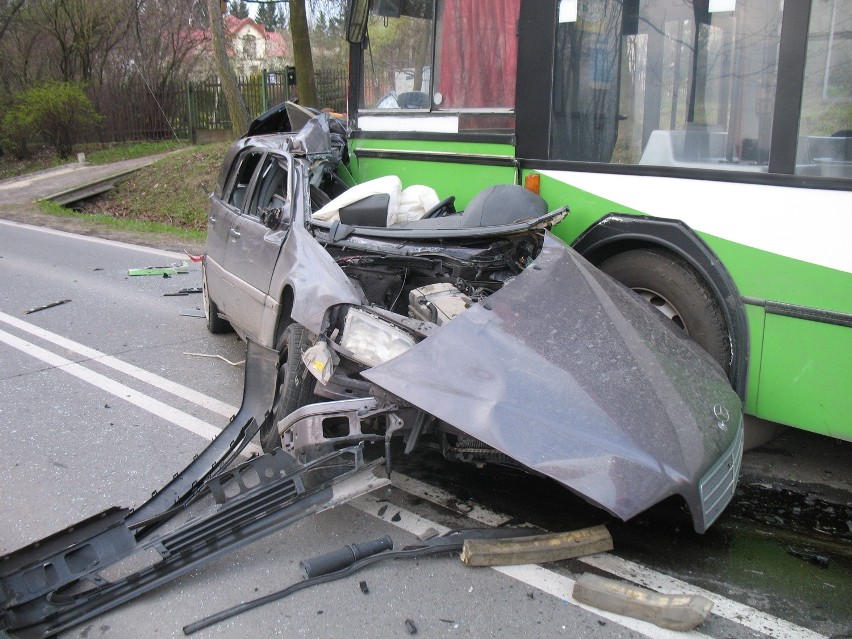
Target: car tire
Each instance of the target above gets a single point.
(295, 383)
(215, 324)
(676, 290)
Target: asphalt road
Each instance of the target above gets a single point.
(100, 404)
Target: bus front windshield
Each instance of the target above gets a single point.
(449, 55)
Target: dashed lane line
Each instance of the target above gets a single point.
(145, 402)
(179, 390)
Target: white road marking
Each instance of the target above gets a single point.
(735, 611)
(140, 400)
(97, 240)
(443, 498)
(535, 576)
(179, 390)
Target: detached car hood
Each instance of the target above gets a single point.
(567, 372)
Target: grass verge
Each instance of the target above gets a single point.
(124, 224)
(165, 197)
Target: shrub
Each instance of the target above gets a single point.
(58, 110)
(15, 132)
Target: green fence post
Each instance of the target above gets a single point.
(190, 108)
(265, 97)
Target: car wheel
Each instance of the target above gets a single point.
(215, 324)
(295, 383)
(677, 291)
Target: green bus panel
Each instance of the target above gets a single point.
(431, 146)
(447, 178)
(756, 317)
(768, 276)
(805, 376)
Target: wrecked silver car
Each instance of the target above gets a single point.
(476, 332)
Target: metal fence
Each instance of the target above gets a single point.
(135, 110)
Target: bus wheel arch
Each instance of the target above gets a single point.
(667, 262)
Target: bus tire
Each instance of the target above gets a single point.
(676, 290)
(295, 384)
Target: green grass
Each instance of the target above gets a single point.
(126, 224)
(128, 151)
(165, 197)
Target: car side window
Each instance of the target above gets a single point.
(270, 200)
(241, 178)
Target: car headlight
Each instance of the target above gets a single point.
(371, 340)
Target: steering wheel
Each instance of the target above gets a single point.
(442, 208)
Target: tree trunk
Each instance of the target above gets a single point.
(302, 54)
(236, 106)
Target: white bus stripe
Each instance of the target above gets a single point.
(179, 390)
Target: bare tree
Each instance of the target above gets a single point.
(301, 36)
(168, 39)
(236, 106)
(8, 9)
(84, 32)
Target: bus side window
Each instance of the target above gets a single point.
(666, 83)
(825, 124)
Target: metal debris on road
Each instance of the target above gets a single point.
(171, 269)
(240, 363)
(809, 555)
(410, 627)
(184, 291)
(41, 308)
(192, 312)
(364, 588)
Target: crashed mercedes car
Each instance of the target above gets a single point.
(477, 332)
(372, 312)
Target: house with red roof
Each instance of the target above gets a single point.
(251, 47)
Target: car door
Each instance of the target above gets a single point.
(224, 211)
(254, 242)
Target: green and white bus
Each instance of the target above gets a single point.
(704, 148)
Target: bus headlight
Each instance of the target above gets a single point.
(373, 341)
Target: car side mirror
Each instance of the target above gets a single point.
(271, 217)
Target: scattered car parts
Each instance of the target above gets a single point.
(677, 612)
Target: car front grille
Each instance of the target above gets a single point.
(717, 486)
